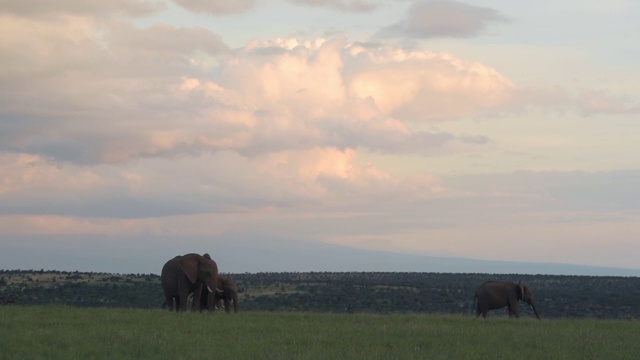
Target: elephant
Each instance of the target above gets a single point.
(497, 294)
(185, 274)
(228, 291)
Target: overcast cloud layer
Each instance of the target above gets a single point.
(421, 127)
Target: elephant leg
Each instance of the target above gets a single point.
(196, 299)
(482, 311)
(204, 301)
(513, 310)
(183, 301)
(227, 306)
(169, 302)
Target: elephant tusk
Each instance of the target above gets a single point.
(208, 288)
(219, 291)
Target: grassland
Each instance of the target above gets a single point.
(61, 332)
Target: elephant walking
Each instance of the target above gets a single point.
(496, 294)
(227, 292)
(190, 273)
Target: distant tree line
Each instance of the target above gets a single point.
(371, 292)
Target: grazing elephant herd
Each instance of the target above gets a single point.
(198, 275)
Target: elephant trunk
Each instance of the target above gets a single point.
(235, 303)
(533, 307)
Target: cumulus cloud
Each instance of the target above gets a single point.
(443, 18)
(345, 5)
(102, 111)
(217, 7)
(188, 94)
(423, 86)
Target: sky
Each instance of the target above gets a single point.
(132, 131)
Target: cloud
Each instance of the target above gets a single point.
(332, 197)
(135, 8)
(162, 40)
(113, 129)
(443, 18)
(100, 118)
(222, 182)
(79, 75)
(217, 7)
(610, 194)
(425, 86)
(593, 102)
(164, 91)
(345, 5)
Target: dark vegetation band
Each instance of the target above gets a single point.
(557, 296)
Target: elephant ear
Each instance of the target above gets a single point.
(521, 285)
(189, 265)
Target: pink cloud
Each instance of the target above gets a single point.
(592, 102)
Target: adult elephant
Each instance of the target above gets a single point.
(497, 294)
(227, 292)
(185, 274)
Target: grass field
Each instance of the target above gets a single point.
(57, 332)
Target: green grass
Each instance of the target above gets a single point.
(56, 332)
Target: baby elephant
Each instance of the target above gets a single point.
(498, 294)
(227, 293)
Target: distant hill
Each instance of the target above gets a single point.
(145, 254)
(280, 256)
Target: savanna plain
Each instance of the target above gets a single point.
(65, 332)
